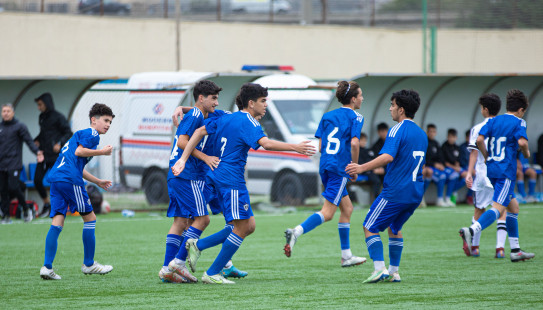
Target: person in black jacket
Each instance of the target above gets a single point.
(434, 168)
(454, 172)
(12, 135)
(54, 132)
(382, 130)
(365, 155)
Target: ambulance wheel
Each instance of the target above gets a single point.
(288, 189)
(155, 187)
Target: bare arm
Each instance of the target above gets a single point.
(523, 144)
(381, 161)
(177, 115)
(303, 147)
(481, 146)
(182, 144)
(85, 152)
(189, 147)
(355, 150)
(471, 168)
(105, 184)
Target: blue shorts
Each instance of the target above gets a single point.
(212, 198)
(450, 173)
(66, 195)
(334, 186)
(384, 214)
(236, 203)
(504, 191)
(188, 196)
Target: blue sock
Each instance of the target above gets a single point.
(375, 248)
(191, 233)
(344, 229)
(440, 187)
(460, 182)
(511, 222)
(89, 243)
(426, 184)
(215, 239)
(531, 187)
(312, 221)
(451, 186)
(51, 242)
(488, 218)
(173, 242)
(395, 247)
(229, 248)
(520, 188)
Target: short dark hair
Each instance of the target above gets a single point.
(363, 135)
(492, 102)
(452, 132)
(468, 133)
(346, 90)
(382, 126)
(409, 100)
(431, 126)
(516, 100)
(250, 91)
(205, 88)
(100, 109)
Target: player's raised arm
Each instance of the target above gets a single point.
(189, 147)
(82, 151)
(211, 161)
(303, 147)
(381, 161)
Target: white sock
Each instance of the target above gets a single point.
(513, 242)
(228, 265)
(346, 254)
(476, 236)
(476, 227)
(179, 262)
(298, 231)
(501, 234)
(393, 269)
(378, 264)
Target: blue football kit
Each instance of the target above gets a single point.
(503, 133)
(403, 185)
(66, 176)
(336, 130)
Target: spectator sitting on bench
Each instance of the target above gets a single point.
(365, 155)
(524, 169)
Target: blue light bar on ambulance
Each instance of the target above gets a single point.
(266, 68)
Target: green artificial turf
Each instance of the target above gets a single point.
(435, 272)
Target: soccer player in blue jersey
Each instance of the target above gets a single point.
(236, 133)
(339, 136)
(403, 188)
(188, 206)
(478, 181)
(68, 191)
(506, 134)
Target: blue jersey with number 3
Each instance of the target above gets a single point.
(69, 167)
(336, 130)
(503, 133)
(234, 134)
(407, 144)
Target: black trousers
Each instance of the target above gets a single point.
(41, 169)
(9, 184)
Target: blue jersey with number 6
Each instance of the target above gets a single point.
(503, 133)
(407, 144)
(69, 167)
(336, 130)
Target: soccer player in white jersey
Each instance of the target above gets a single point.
(478, 182)
(403, 187)
(68, 191)
(339, 136)
(506, 134)
(236, 133)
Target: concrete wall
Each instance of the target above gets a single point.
(52, 45)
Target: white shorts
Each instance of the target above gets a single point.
(483, 198)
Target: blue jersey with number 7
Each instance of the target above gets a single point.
(407, 144)
(336, 130)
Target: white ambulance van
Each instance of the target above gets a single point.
(295, 107)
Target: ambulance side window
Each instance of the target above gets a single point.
(270, 127)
